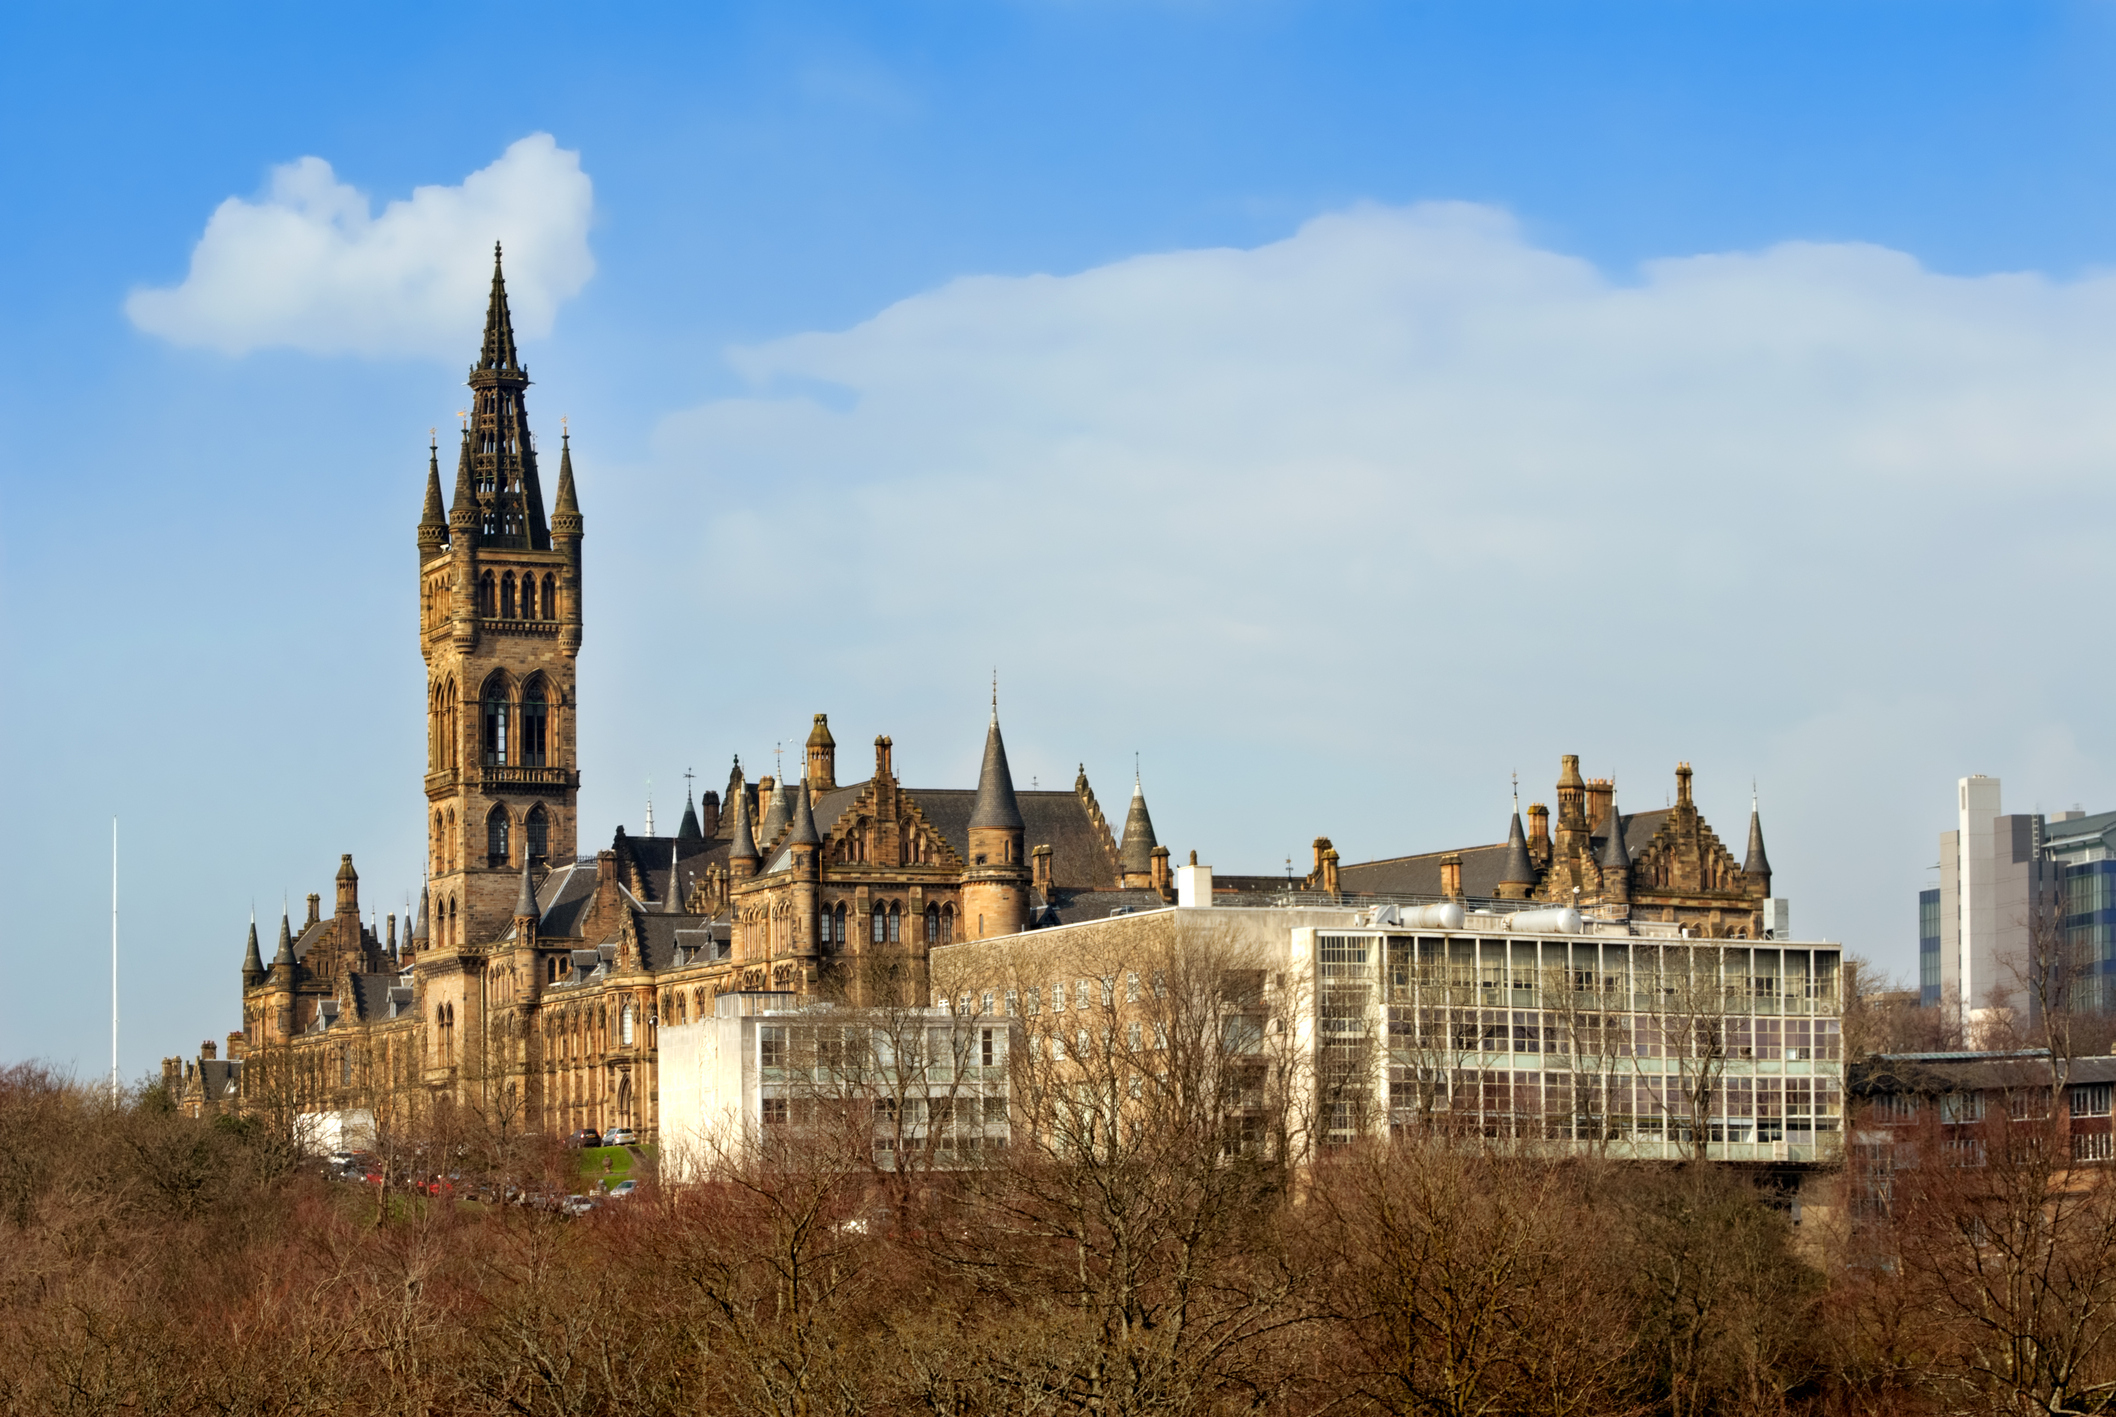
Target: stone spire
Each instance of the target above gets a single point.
(1614, 855)
(525, 898)
(804, 822)
(1757, 867)
(463, 510)
(285, 955)
(433, 519)
(1135, 856)
(673, 903)
(778, 814)
(420, 934)
(510, 500)
(744, 847)
(565, 513)
(995, 806)
(253, 970)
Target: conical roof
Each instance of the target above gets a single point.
(689, 830)
(433, 514)
(1757, 864)
(252, 961)
(744, 847)
(463, 511)
(1520, 871)
(286, 943)
(1136, 855)
(673, 904)
(497, 352)
(804, 822)
(419, 933)
(995, 806)
(1614, 855)
(565, 512)
(778, 814)
(525, 898)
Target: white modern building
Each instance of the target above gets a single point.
(771, 1066)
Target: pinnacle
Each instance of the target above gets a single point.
(498, 350)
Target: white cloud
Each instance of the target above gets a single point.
(1343, 529)
(308, 266)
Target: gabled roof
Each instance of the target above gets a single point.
(1080, 859)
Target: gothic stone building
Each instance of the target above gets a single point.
(535, 979)
(1665, 866)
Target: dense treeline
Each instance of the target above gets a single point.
(150, 1263)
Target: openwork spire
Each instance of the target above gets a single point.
(502, 455)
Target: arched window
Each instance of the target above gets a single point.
(947, 925)
(823, 927)
(624, 1027)
(550, 599)
(896, 922)
(538, 830)
(496, 707)
(881, 922)
(841, 924)
(448, 842)
(450, 730)
(496, 837)
(932, 924)
(534, 721)
(507, 594)
(488, 595)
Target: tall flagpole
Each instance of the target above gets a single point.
(113, 961)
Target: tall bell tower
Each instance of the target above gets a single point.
(500, 628)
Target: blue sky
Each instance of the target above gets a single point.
(1342, 406)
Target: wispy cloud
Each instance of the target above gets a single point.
(308, 265)
(1353, 524)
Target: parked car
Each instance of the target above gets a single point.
(623, 1188)
(576, 1205)
(621, 1136)
(586, 1136)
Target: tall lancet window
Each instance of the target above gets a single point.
(496, 725)
(496, 837)
(488, 595)
(538, 828)
(535, 721)
(550, 599)
(507, 596)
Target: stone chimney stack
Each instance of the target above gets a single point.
(1329, 869)
(209, 1050)
(1158, 875)
(1539, 834)
(1600, 791)
(1451, 875)
(315, 907)
(1040, 871)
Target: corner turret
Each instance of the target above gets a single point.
(996, 886)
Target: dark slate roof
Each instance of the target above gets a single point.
(1929, 1074)
(371, 995)
(1611, 855)
(1080, 857)
(308, 937)
(651, 854)
(1073, 907)
(216, 1077)
(1483, 867)
(564, 898)
(657, 937)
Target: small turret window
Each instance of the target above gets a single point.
(538, 828)
(496, 827)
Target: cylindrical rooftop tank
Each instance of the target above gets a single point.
(1446, 916)
(1559, 920)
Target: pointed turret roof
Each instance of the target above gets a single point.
(463, 510)
(995, 806)
(252, 962)
(1757, 864)
(419, 935)
(804, 822)
(778, 813)
(1519, 870)
(1615, 856)
(497, 352)
(688, 830)
(565, 512)
(525, 898)
(1136, 855)
(433, 515)
(744, 846)
(673, 905)
(286, 943)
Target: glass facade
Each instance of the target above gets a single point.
(1929, 947)
(1640, 1046)
(2090, 928)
